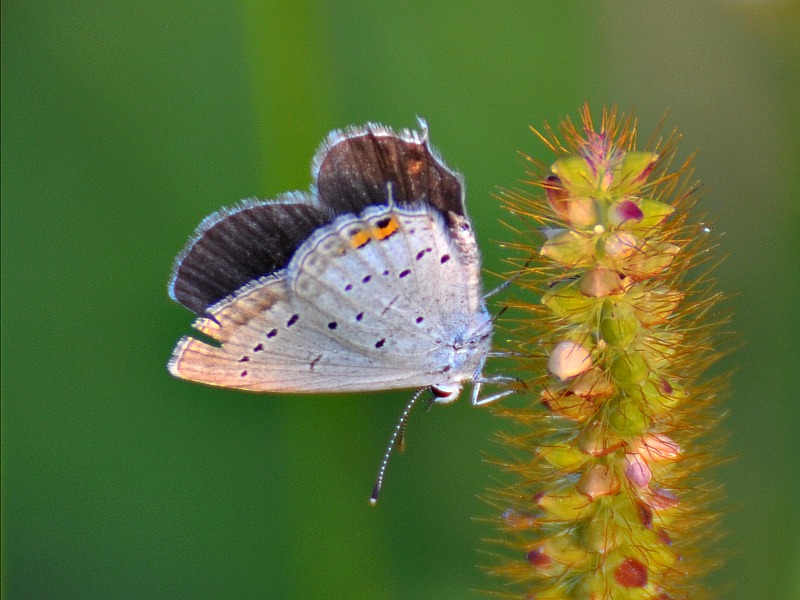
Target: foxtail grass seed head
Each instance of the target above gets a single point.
(619, 321)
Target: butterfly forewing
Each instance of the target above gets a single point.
(379, 301)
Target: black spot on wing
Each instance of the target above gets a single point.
(234, 246)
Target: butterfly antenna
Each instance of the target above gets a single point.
(398, 433)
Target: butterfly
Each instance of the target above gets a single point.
(369, 281)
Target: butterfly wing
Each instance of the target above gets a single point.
(354, 168)
(233, 247)
(371, 281)
(386, 299)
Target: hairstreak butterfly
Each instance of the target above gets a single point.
(370, 281)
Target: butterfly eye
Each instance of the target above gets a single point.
(445, 393)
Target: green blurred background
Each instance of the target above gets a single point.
(124, 123)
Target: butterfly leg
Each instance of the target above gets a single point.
(476, 401)
(478, 383)
(498, 289)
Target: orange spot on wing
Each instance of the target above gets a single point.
(359, 239)
(383, 229)
(414, 167)
(380, 233)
